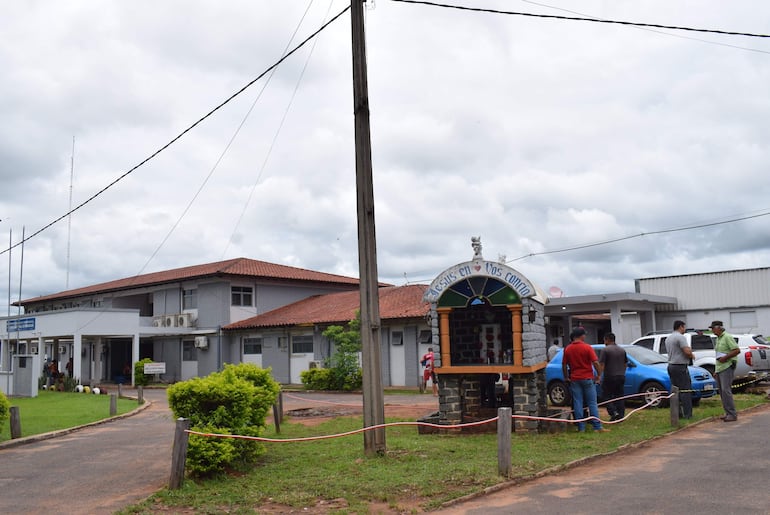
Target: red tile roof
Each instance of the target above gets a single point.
(395, 302)
(238, 266)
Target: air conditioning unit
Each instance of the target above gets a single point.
(33, 349)
(315, 364)
(201, 342)
(184, 320)
(158, 321)
(169, 321)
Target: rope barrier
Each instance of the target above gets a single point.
(648, 404)
(654, 398)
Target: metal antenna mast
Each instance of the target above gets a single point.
(69, 216)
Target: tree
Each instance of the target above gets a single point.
(346, 372)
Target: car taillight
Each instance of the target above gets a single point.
(748, 358)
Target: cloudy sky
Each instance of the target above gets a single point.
(536, 134)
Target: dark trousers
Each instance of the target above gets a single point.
(680, 377)
(612, 388)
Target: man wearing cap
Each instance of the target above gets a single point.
(726, 354)
(679, 357)
(581, 370)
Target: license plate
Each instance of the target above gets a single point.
(708, 387)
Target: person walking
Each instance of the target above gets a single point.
(613, 361)
(427, 361)
(554, 349)
(726, 354)
(582, 371)
(679, 358)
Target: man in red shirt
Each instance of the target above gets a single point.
(581, 370)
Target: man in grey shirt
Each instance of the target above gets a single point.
(613, 359)
(679, 357)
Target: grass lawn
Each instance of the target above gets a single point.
(417, 473)
(51, 410)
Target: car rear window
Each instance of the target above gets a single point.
(701, 342)
(645, 342)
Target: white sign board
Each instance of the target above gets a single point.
(154, 368)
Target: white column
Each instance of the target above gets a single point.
(77, 346)
(616, 322)
(134, 357)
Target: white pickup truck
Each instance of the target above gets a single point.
(755, 351)
(750, 365)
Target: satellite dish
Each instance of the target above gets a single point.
(555, 292)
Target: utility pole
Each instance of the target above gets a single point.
(374, 405)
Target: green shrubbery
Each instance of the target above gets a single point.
(317, 379)
(140, 379)
(5, 409)
(342, 371)
(234, 401)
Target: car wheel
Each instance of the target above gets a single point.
(558, 393)
(653, 390)
(711, 370)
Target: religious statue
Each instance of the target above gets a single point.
(476, 244)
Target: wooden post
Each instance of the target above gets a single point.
(373, 397)
(277, 418)
(113, 404)
(179, 453)
(15, 422)
(674, 404)
(140, 394)
(504, 466)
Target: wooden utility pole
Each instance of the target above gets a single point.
(374, 405)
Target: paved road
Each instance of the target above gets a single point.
(714, 467)
(95, 470)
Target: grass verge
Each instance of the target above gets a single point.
(417, 473)
(52, 411)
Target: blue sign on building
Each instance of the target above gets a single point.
(20, 324)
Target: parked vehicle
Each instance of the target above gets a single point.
(647, 373)
(755, 352)
(702, 346)
(748, 367)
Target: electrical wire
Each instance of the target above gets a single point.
(272, 143)
(181, 134)
(227, 146)
(576, 18)
(639, 235)
(681, 36)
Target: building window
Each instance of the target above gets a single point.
(302, 344)
(252, 345)
(189, 352)
(189, 299)
(426, 336)
(242, 295)
(397, 338)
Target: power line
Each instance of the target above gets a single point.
(576, 18)
(681, 36)
(639, 235)
(181, 134)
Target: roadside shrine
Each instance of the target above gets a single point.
(487, 322)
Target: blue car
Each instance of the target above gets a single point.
(647, 373)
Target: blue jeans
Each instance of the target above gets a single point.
(584, 394)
